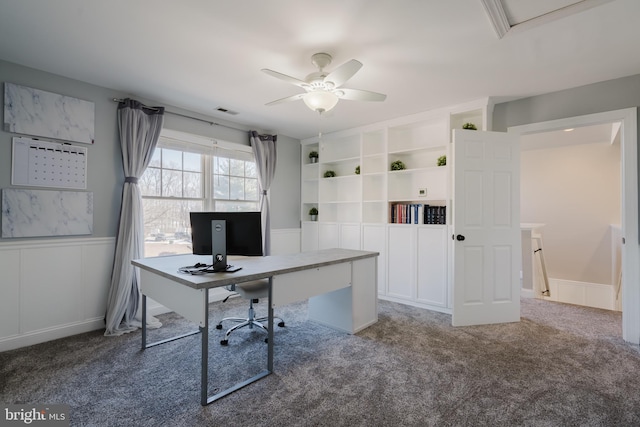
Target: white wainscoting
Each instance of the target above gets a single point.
(51, 289)
(582, 293)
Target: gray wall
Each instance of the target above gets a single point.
(285, 196)
(574, 190)
(595, 98)
(105, 174)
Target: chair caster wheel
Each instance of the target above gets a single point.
(219, 326)
(224, 342)
(281, 324)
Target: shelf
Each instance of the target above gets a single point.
(342, 169)
(417, 213)
(340, 149)
(374, 164)
(336, 202)
(374, 187)
(414, 170)
(410, 185)
(418, 135)
(339, 212)
(473, 116)
(417, 159)
(339, 177)
(418, 149)
(340, 189)
(373, 156)
(373, 143)
(341, 160)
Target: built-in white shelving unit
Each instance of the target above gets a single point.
(356, 206)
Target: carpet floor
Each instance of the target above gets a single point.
(561, 365)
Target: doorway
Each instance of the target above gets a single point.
(630, 253)
(570, 197)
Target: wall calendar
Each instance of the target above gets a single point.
(39, 163)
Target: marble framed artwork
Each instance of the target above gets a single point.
(45, 213)
(35, 112)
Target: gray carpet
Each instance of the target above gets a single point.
(561, 365)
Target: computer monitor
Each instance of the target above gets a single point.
(243, 235)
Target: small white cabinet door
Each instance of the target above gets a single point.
(309, 236)
(328, 235)
(402, 265)
(432, 266)
(373, 239)
(350, 236)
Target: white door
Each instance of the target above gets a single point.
(486, 218)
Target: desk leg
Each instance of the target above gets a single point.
(204, 367)
(144, 329)
(144, 321)
(205, 399)
(270, 333)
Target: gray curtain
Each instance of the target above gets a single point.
(264, 150)
(139, 127)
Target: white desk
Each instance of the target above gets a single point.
(341, 286)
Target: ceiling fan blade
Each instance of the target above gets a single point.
(285, 78)
(361, 95)
(287, 99)
(343, 73)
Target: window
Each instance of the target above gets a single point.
(189, 173)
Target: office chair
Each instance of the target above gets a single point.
(252, 291)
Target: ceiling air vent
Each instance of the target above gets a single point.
(227, 111)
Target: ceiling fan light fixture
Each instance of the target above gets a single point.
(320, 100)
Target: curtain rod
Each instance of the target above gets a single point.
(187, 117)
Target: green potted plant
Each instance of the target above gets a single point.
(313, 214)
(329, 174)
(398, 165)
(469, 126)
(313, 157)
(442, 161)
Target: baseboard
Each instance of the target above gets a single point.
(49, 334)
(62, 331)
(527, 293)
(416, 304)
(596, 295)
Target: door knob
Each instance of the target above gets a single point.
(459, 237)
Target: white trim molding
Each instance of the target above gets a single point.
(630, 212)
(500, 22)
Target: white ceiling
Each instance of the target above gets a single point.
(605, 133)
(424, 54)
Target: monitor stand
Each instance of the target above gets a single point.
(219, 247)
(219, 244)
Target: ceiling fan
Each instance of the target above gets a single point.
(323, 90)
